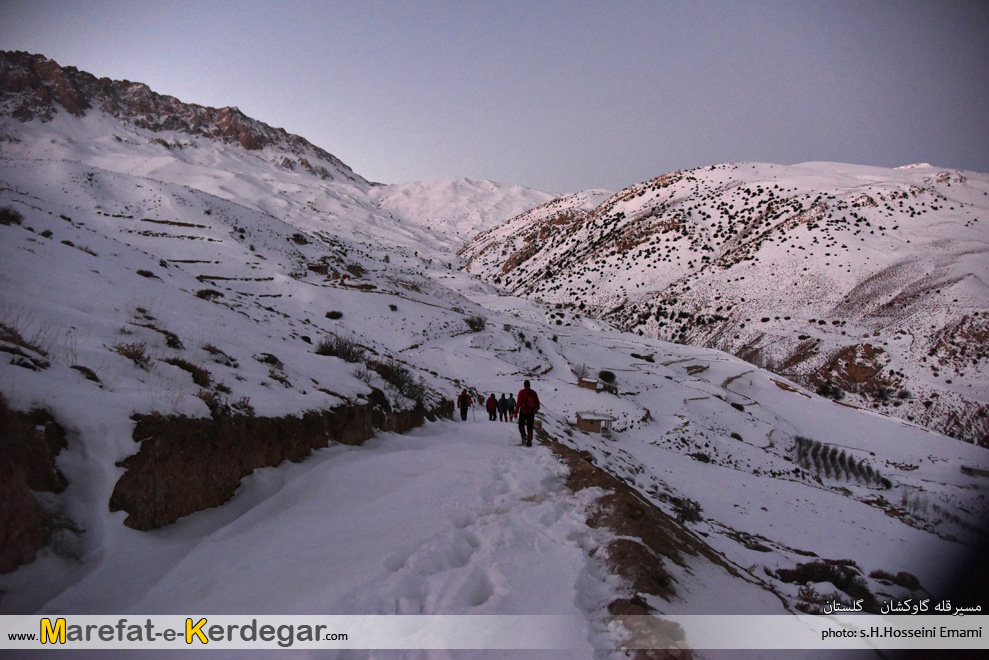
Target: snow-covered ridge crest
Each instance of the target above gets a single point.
(34, 87)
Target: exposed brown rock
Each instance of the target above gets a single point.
(519, 257)
(647, 539)
(187, 464)
(631, 516)
(29, 443)
(854, 365)
(651, 631)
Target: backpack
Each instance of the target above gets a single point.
(528, 401)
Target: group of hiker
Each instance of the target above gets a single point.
(506, 409)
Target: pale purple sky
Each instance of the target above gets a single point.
(559, 96)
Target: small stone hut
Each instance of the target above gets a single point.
(594, 422)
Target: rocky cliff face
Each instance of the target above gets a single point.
(867, 284)
(33, 87)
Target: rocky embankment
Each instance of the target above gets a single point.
(182, 465)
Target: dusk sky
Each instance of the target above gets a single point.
(559, 96)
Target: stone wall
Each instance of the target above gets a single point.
(187, 464)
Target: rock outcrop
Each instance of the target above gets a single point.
(188, 464)
(29, 443)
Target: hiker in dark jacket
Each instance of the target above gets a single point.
(526, 407)
(503, 409)
(511, 407)
(463, 402)
(492, 406)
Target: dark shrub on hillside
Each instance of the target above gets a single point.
(10, 216)
(476, 323)
(200, 376)
(171, 339)
(341, 347)
(136, 353)
(606, 376)
(688, 511)
(842, 573)
(268, 358)
(903, 579)
(831, 391)
(87, 372)
(402, 379)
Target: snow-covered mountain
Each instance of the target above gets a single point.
(37, 88)
(863, 283)
(457, 208)
(241, 376)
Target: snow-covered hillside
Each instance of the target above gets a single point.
(857, 281)
(457, 208)
(207, 288)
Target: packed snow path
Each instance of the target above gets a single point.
(453, 518)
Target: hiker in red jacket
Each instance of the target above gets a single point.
(526, 406)
(492, 407)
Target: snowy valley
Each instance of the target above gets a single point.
(252, 354)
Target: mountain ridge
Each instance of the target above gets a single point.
(32, 85)
(806, 270)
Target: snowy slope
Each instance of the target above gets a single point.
(458, 208)
(138, 265)
(866, 280)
